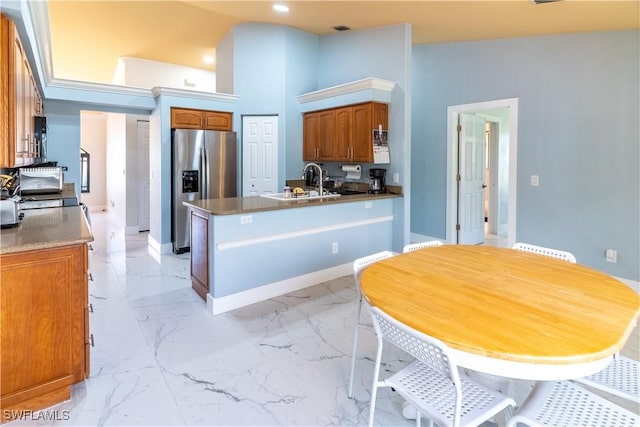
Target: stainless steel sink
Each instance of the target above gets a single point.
(280, 196)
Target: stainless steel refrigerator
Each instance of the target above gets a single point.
(203, 167)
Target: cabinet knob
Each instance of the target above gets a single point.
(90, 308)
(90, 277)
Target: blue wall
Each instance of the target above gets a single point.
(578, 119)
(578, 130)
(272, 65)
(385, 53)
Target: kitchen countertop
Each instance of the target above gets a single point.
(46, 228)
(241, 205)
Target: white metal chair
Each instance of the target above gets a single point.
(432, 383)
(415, 246)
(620, 378)
(563, 403)
(358, 266)
(541, 250)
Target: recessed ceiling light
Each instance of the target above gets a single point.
(281, 8)
(208, 59)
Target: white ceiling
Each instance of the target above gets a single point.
(87, 37)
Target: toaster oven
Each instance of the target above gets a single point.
(41, 180)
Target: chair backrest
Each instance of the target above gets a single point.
(361, 263)
(541, 250)
(415, 246)
(429, 350)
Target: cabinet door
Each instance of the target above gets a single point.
(42, 325)
(327, 141)
(344, 144)
(186, 119)
(30, 107)
(362, 134)
(380, 115)
(216, 120)
(200, 253)
(21, 104)
(311, 136)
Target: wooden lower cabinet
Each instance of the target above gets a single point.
(44, 327)
(200, 253)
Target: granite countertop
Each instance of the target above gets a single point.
(46, 228)
(241, 205)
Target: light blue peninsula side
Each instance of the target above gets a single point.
(249, 249)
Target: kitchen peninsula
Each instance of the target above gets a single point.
(44, 329)
(249, 249)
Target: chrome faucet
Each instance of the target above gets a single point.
(304, 171)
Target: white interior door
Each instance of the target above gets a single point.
(471, 140)
(259, 155)
(144, 179)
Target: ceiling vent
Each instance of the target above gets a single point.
(341, 28)
(544, 1)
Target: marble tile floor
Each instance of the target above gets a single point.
(160, 359)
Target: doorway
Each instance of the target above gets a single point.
(501, 116)
(259, 155)
(144, 179)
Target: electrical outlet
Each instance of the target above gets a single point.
(611, 255)
(396, 178)
(367, 205)
(245, 219)
(334, 248)
(535, 180)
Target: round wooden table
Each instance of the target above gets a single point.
(505, 312)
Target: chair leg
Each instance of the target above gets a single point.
(374, 387)
(355, 347)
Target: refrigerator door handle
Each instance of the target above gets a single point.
(206, 175)
(203, 168)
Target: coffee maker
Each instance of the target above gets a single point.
(376, 184)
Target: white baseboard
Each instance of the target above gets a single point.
(415, 238)
(272, 290)
(100, 208)
(161, 248)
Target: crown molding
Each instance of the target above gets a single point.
(184, 93)
(99, 87)
(346, 88)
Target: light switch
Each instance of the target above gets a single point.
(534, 180)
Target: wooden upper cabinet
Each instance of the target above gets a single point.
(326, 144)
(186, 118)
(367, 118)
(343, 134)
(217, 120)
(319, 137)
(311, 136)
(20, 100)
